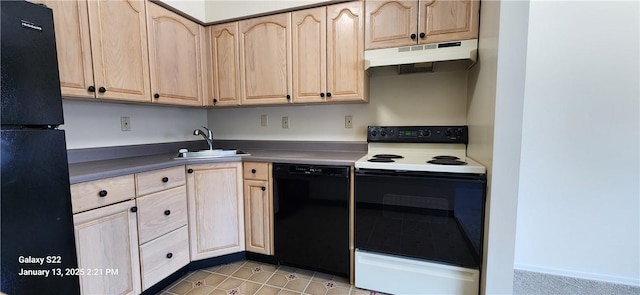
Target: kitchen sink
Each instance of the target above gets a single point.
(205, 154)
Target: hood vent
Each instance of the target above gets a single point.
(424, 58)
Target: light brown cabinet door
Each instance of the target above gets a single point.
(265, 60)
(309, 39)
(258, 216)
(225, 67)
(107, 247)
(73, 45)
(175, 58)
(446, 20)
(390, 23)
(216, 209)
(119, 49)
(345, 52)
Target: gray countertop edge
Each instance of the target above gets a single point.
(94, 170)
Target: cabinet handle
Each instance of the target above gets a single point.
(167, 212)
(189, 170)
(413, 36)
(328, 94)
(253, 171)
(102, 193)
(169, 255)
(134, 209)
(263, 188)
(165, 179)
(215, 100)
(91, 88)
(156, 96)
(102, 90)
(422, 35)
(321, 94)
(288, 97)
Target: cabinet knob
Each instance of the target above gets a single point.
(102, 90)
(165, 179)
(102, 193)
(253, 171)
(156, 96)
(189, 170)
(134, 209)
(167, 212)
(91, 88)
(169, 255)
(321, 94)
(263, 188)
(288, 97)
(215, 100)
(328, 94)
(413, 36)
(422, 35)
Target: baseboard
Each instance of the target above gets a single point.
(580, 275)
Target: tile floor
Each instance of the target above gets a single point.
(250, 277)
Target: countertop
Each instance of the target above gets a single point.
(93, 170)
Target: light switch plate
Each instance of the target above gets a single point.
(125, 123)
(263, 120)
(285, 122)
(348, 121)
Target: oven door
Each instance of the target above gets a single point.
(431, 216)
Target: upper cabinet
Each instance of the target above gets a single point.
(265, 60)
(176, 47)
(328, 48)
(394, 23)
(224, 74)
(102, 49)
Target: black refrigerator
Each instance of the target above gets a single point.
(36, 230)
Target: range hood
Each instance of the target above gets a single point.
(424, 58)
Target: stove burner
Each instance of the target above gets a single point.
(446, 158)
(446, 162)
(388, 156)
(381, 160)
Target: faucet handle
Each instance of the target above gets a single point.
(208, 131)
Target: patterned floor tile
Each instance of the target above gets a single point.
(243, 273)
(202, 290)
(181, 288)
(315, 288)
(268, 290)
(288, 292)
(260, 277)
(298, 284)
(230, 283)
(214, 279)
(278, 280)
(338, 291)
(228, 269)
(197, 276)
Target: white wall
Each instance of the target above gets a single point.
(496, 92)
(578, 207)
(413, 99)
(97, 124)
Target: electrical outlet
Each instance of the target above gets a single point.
(348, 121)
(125, 124)
(263, 120)
(285, 122)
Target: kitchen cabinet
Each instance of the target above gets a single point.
(328, 54)
(176, 51)
(102, 49)
(258, 207)
(107, 247)
(162, 223)
(216, 222)
(396, 23)
(265, 60)
(225, 65)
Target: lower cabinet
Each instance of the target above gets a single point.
(258, 208)
(107, 246)
(216, 211)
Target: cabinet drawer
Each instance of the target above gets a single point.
(161, 213)
(163, 256)
(157, 180)
(98, 193)
(256, 170)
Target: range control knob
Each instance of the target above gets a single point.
(459, 132)
(448, 133)
(425, 133)
(374, 133)
(383, 133)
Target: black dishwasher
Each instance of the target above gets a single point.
(311, 217)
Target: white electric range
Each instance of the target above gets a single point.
(419, 212)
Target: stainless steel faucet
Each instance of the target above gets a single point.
(208, 136)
